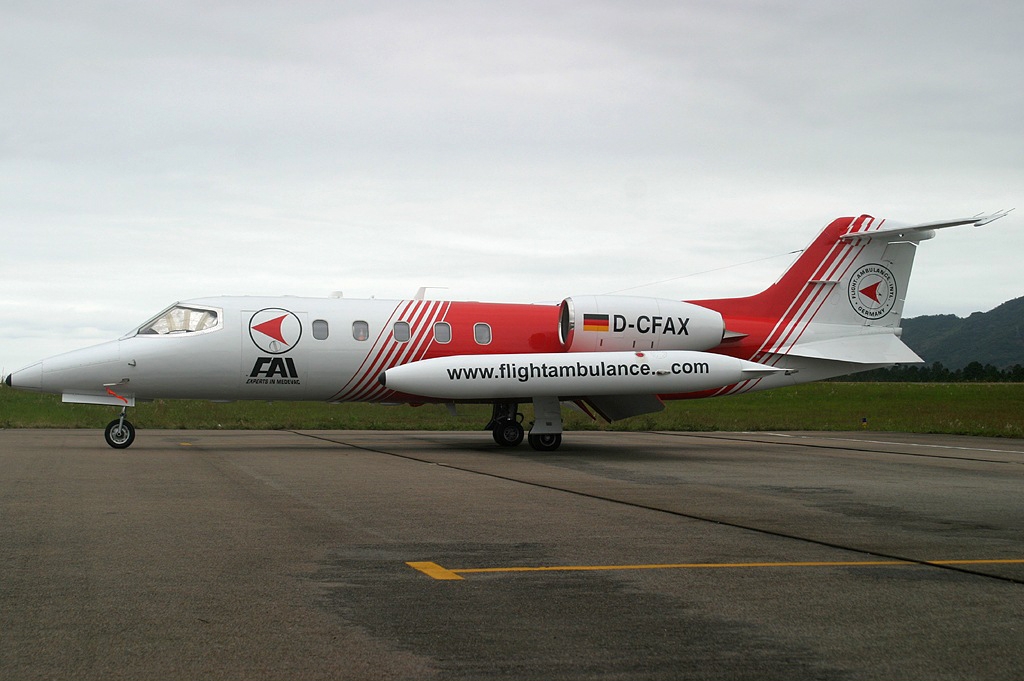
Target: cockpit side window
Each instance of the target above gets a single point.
(179, 319)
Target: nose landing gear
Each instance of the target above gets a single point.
(120, 433)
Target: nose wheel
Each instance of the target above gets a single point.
(120, 433)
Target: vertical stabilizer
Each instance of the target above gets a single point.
(841, 301)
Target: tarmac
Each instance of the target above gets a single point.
(438, 555)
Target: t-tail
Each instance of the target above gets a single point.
(837, 309)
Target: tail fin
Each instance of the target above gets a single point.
(842, 300)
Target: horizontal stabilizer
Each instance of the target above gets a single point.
(924, 229)
(878, 348)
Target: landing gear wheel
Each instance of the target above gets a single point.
(548, 442)
(120, 434)
(508, 433)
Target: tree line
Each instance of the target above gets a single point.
(975, 372)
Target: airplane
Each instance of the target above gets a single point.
(835, 311)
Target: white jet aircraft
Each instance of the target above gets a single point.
(835, 311)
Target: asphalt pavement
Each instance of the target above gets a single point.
(438, 555)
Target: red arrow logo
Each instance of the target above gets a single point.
(272, 328)
(871, 292)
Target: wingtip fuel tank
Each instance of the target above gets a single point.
(471, 377)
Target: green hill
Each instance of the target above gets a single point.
(995, 337)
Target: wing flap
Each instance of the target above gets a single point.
(616, 407)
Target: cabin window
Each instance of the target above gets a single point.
(320, 329)
(482, 333)
(181, 319)
(360, 330)
(443, 332)
(402, 332)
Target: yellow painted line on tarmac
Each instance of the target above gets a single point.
(987, 561)
(433, 570)
(437, 572)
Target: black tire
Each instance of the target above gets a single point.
(508, 433)
(119, 434)
(547, 442)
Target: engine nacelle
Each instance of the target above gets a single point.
(610, 323)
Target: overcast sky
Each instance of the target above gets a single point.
(519, 151)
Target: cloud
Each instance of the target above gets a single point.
(523, 151)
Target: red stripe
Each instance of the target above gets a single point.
(806, 306)
(368, 361)
(791, 312)
(863, 224)
(403, 353)
(384, 358)
(835, 257)
(422, 315)
(798, 300)
(834, 275)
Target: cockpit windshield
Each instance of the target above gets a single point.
(179, 319)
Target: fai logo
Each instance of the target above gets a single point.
(872, 291)
(275, 331)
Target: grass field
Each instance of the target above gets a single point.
(995, 409)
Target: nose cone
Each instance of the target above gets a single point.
(85, 370)
(29, 378)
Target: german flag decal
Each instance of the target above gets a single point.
(595, 322)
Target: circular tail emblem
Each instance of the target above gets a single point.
(275, 330)
(872, 291)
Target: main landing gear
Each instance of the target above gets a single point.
(506, 424)
(120, 433)
(546, 442)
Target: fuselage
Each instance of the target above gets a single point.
(288, 348)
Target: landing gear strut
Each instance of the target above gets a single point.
(120, 433)
(546, 431)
